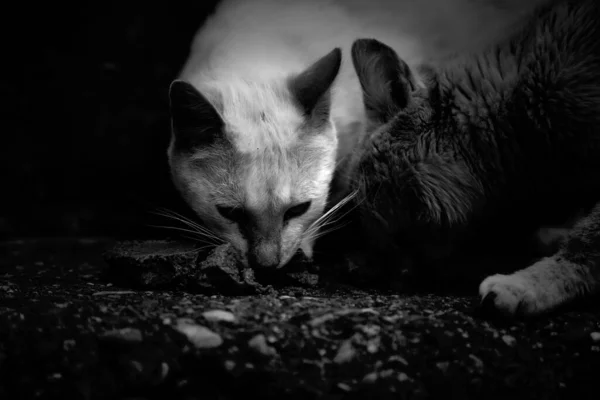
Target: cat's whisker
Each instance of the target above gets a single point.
(338, 218)
(197, 228)
(199, 235)
(179, 217)
(201, 248)
(197, 249)
(335, 208)
(327, 231)
(183, 219)
(328, 218)
(331, 211)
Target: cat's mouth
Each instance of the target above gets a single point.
(298, 263)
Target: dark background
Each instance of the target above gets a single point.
(86, 120)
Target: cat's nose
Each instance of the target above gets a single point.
(264, 255)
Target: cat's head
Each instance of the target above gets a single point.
(255, 160)
(429, 186)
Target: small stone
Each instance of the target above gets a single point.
(595, 336)
(218, 315)
(259, 344)
(68, 344)
(477, 361)
(127, 334)
(200, 336)
(398, 358)
(229, 365)
(370, 378)
(345, 353)
(344, 386)
(164, 371)
(402, 377)
(55, 376)
(386, 373)
(137, 365)
(373, 346)
(443, 366)
(509, 340)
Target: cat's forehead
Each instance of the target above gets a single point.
(260, 116)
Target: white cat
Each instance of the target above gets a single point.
(268, 107)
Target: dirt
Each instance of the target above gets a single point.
(70, 330)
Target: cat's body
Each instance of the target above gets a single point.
(505, 139)
(262, 118)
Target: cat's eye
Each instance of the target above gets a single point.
(296, 211)
(234, 214)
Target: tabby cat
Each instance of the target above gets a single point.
(505, 137)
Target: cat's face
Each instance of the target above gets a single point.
(256, 162)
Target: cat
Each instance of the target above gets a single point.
(501, 138)
(267, 108)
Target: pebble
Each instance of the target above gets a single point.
(259, 344)
(595, 336)
(372, 347)
(138, 366)
(164, 370)
(344, 386)
(443, 366)
(229, 365)
(509, 340)
(345, 353)
(68, 344)
(477, 361)
(55, 376)
(397, 358)
(200, 336)
(128, 334)
(218, 315)
(370, 378)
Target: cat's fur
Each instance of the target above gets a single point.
(264, 112)
(504, 138)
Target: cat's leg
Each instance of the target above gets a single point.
(573, 271)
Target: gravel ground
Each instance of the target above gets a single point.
(67, 331)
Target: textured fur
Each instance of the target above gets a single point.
(504, 137)
(272, 154)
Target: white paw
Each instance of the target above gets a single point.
(509, 295)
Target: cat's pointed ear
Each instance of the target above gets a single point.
(386, 80)
(311, 87)
(195, 121)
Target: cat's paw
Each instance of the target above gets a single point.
(510, 295)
